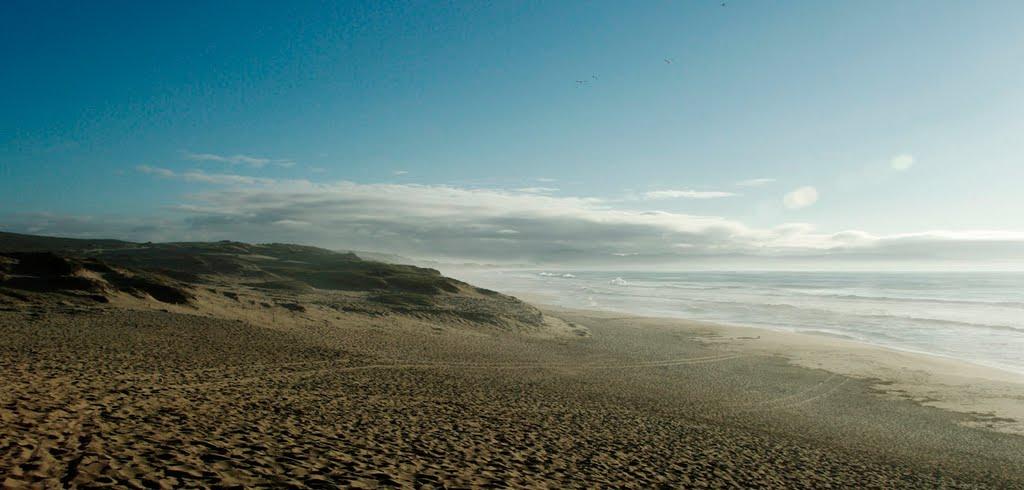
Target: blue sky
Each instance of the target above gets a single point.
(170, 121)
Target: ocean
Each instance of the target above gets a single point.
(974, 317)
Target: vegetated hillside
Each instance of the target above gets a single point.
(294, 275)
(48, 272)
(275, 265)
(16, 242)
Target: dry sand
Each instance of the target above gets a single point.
(142, 394)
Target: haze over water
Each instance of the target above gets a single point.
(972, 316)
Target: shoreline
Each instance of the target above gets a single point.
(992, 397)
(543, 301)
(554, 298)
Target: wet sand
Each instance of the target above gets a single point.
(123, 395)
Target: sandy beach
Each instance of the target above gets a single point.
(143, 394)
(537, 245)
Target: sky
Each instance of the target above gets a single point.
(649, 134)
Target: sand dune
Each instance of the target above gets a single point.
(244, 386)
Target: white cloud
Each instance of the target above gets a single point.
(686, 194)
(224, 179)
(755, 182)
(400, 172)
(205, 178)
(546, 179)
(292, 223)
(458, 222)
(902, 162)
(801, 197)
(140, 228)
(853, 237)
(537, 190)
(238, 160)
(162, 172)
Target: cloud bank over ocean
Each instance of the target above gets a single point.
(499, 226)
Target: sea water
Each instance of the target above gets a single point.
(975, 317)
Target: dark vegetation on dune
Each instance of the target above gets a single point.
(48, 272)
(16, 242)
(170, 272)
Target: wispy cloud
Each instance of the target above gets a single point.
(224, 179)
(902, 162)
(400, 172)
(686, 194)
(292, 223)
(755, 182)
(801, 197)
(537, 190)
(86, 226)
(238, 160)
(162, 172)
(202, 177)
